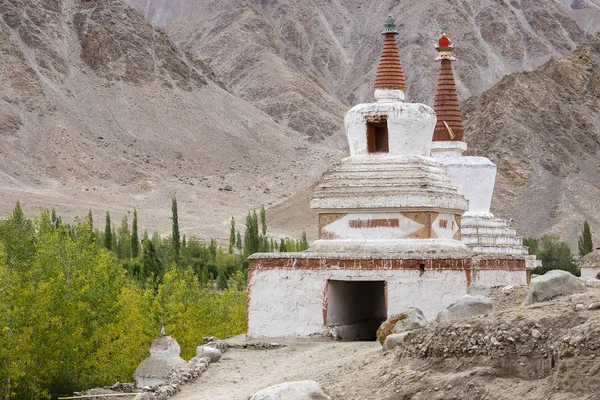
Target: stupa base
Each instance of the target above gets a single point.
(312, 293)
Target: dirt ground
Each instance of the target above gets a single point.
(559, 362)
(241, 373)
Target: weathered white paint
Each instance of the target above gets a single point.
(445, 226)
(474, 178)
(448, 148)
(388, 95)
(289, 303)
(497, 278)
(410, 127)
(351, 226)
(408, 248)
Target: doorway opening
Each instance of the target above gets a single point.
(355, 309)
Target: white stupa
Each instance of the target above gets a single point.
(389, 230)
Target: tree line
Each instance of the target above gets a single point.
(80, 306)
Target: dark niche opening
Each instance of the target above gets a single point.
(356, 308)
(377, 137)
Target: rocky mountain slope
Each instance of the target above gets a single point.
(542, 129)
(99, 110)
(300, 61)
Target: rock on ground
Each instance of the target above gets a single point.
(468, 306)
(301, 390)
(210, 352)
(552, 284)
(408, 320)
(595, 283)
(479, 289)
(394, 340)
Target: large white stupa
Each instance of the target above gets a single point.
(390, 229)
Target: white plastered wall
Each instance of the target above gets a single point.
(289, 303)
(474, 177)
(410, 127)
(497, 278)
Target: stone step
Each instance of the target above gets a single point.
(368, 168)
(488, 231)
(401, 185)
(412, 175)
(484, 240)
(473, 222)
(515, 250)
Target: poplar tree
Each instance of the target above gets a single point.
(232, 236)
(585, 243)
(135, 241)
(108, 233)
(238, 242)
(263, 220)
(251, 238)
(304, 241)
(175, 231)
(90, 222)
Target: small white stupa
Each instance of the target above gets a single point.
(164, 359)
(389, 230)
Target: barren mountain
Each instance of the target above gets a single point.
(542, 129)
(293, 59)
(99, 110)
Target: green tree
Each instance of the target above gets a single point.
(232, 236)
(17, 234)
(238, 242)
(108, 233)
(221, 280)
(263, 220)
(135, 240)
(124, 240)
(251, 237)
(175, 229)
(532, 244)
(213, 250)
(153, 266)
(303, 242)
(585, 243)
(555, 254)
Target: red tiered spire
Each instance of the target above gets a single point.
(389, 72)
(449, 124)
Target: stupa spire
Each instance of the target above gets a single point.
(389, 73)
(449, 126)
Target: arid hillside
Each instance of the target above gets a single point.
(302, 61)
(542, 129)
(99, 110)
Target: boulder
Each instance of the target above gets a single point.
(594, 283)
(301, 390)
(394, 340)
(467, 306)
(552, 284)
(479, 289)
(408, 320)
(210, 352)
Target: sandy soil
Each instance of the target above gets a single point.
(241, 373)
